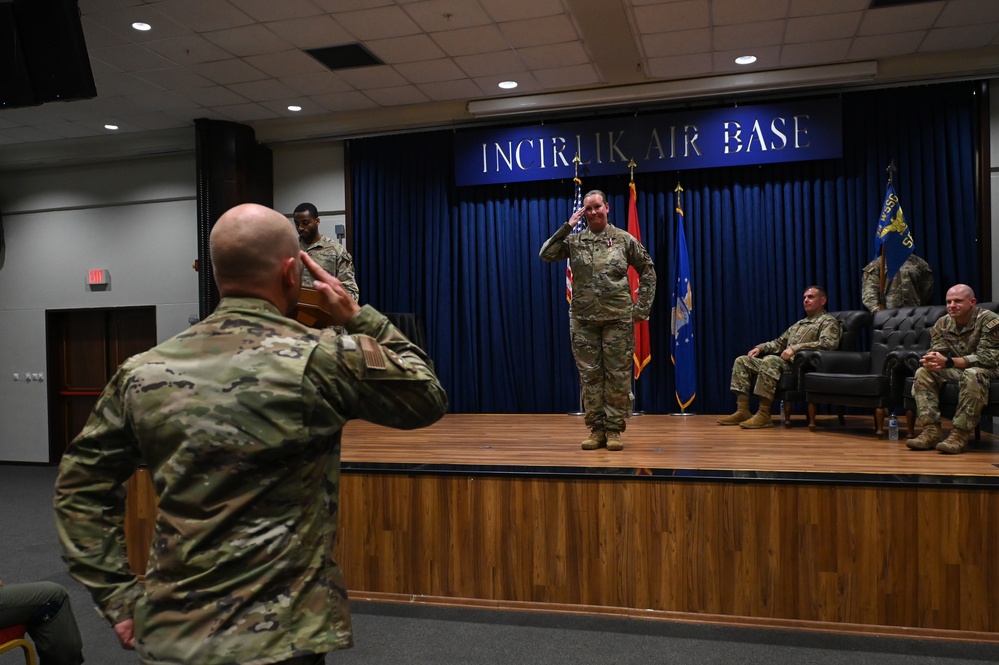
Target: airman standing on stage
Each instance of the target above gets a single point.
(911, 286)
(325, 251)
(817, 331)
(602, 313)
(964, 347)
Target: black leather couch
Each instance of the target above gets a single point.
(873, 379)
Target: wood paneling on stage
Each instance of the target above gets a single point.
(915, 557)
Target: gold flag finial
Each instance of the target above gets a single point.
(678, 188)
(891, 170)
(576, 161)
(632, 165)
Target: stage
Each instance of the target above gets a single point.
(826, 530)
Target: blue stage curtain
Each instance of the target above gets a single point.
(466, 259)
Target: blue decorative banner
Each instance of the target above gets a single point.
(694, 139)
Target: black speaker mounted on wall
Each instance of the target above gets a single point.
(43, 54)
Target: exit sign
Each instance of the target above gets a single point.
(98, 277)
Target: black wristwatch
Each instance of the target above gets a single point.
(950, 362)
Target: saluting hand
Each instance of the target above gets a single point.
(342, 306)
(576, 218)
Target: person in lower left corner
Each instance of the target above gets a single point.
(45, 607)
(964, 347)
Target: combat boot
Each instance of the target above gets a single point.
(761, 419)
(741, 412)
(956, 442)
(596, 439)
(614, 441)
(927, 439)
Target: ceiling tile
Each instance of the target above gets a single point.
(313, 32)
(816, 28)
(367, 78)
(485, 64)
(407, 94)
(413, 48)
(174, 78)
(436, 15)
(904, 18)
(224, 72)
(443, 69)
(471, 40)
(513, 10)
(822, 7)
(268, 10)
(680, 66)
(568, 77)
(676, 43)
(968, 12)
(317, 83)
(247, 40)
(684, 15)
(202, 16)
(286, 63)
(537, 32)
(880, 46)
(345, 101)
(558, 55)
(378, 23)
(214, 96)
(968, 36)
(750, 35)
(246, 112)
(446, 90)
(188, 50)
(130, 58)
(261, 91)
(728, 12)
(814, 53)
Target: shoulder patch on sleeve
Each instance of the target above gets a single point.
(373, 357)
(992, 324)
(347, 343)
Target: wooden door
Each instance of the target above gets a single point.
(85, 347)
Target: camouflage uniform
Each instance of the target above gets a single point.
(239, 420)
(911, 286)
(602, 315)
(820, 332)
(978, 344)
(335, 260)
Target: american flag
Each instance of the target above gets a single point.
(577, 203)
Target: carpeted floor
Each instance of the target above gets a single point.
(411, 634)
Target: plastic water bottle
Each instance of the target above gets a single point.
(892, 427)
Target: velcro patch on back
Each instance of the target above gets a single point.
(373, 358)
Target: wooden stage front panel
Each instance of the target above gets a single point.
(781, 527)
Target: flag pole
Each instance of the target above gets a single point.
(577, 188)
(883, 281)
(634, 379)
(683, 409)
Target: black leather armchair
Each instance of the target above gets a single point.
(874, 378)
(948, 394)
(789, 388)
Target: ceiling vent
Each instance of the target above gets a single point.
(878, 4)
(347, 56)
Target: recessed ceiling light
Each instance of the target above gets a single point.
(294, 107)
(142, 26)
(508, 85)
(111, 127)
(745, 60)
